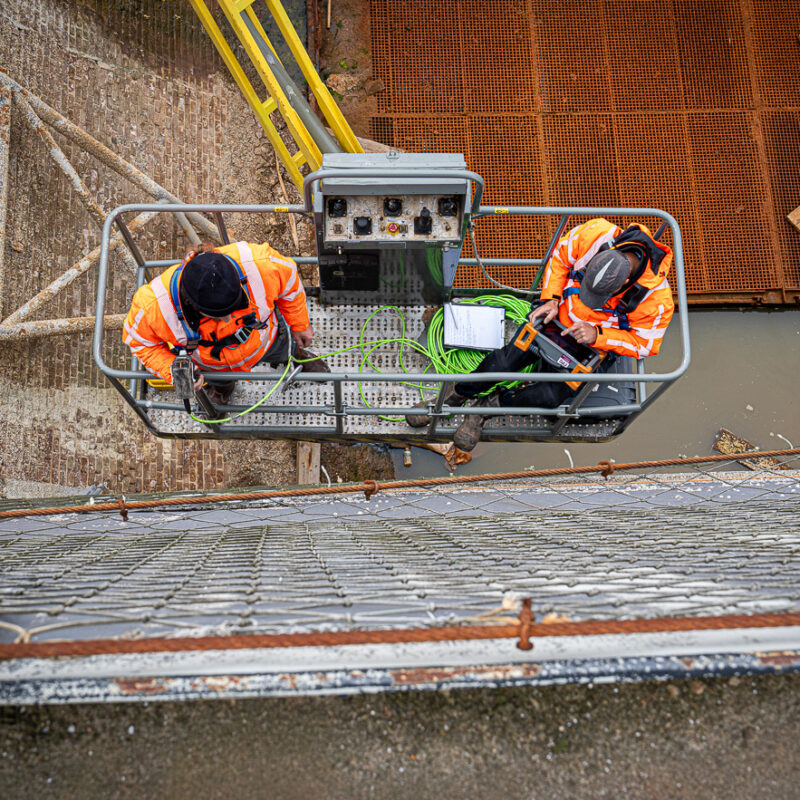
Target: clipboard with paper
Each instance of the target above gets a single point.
(473, 327)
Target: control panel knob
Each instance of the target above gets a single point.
(448, 206)
(423, 224)
(392, 206)
(362, 226)
(337, 207)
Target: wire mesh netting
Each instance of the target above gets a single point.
(573, 103)
(714, 539)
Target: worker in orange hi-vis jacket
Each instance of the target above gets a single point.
(228, 307)
(608, 288)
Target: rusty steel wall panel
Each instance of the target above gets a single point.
(412, 65)
(571, 78)
(719, 25)
(688, 106)
(495, 55)
(579, 169)
(781, 135)
(775, 26)
(732, 202)
(643, 63)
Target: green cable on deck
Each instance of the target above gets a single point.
(442, 359)
(456, 360)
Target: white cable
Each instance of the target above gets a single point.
(328, 477)
(524, 292)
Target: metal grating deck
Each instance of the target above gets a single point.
(337, 327)
(571, 103)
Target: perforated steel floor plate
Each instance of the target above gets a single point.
(336, 327)
(358, 327)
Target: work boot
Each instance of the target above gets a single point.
(470, 430)
(317, 365)
(220, 394)
(422, 420)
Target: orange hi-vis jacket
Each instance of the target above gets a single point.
(640, 331)
(272, 280)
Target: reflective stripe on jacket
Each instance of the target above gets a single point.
(152, 323)
(647, 321)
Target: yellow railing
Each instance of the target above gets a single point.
(276, 98)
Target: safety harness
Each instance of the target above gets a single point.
(250, 322)
(632, 238)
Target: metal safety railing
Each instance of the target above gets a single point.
(557, 420)
(282, 94)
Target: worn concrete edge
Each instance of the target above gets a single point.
(348, 682)
(378, 668)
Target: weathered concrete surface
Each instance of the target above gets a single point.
(732, 738)
(143, 79)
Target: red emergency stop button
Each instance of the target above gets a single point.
(392, 227)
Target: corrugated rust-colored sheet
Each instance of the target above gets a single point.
(693, 107)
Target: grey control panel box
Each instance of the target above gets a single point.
(420, 207)
(390, 226)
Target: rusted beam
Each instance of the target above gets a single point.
(604, 468)
(75, 271)
(54, 327)
(107, 156)
(524, 628)
(754, 297)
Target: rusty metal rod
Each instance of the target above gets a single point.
(24, 648)
(370, 487)
(75, 271)
(108, 157)
(54, 327)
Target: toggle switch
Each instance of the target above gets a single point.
(423, 224)
(392, 206)
(448, 206)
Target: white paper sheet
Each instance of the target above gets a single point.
(473, 327)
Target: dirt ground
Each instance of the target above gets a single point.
(143, 79)
(346, 62)
(725, 738)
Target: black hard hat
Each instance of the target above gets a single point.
(212, 286)
(604, 276)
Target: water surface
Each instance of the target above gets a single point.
(744, 376)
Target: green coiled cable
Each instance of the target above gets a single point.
(442, 360)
